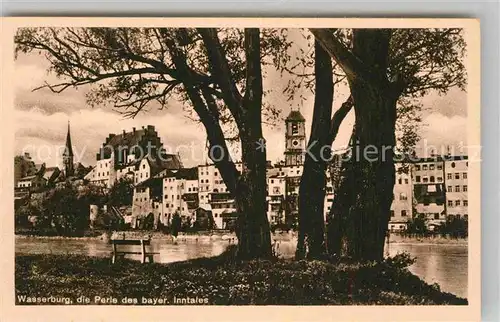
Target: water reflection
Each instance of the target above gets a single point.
(442, 264)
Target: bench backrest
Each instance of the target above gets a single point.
(130, 241)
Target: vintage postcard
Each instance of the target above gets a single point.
(320, 169)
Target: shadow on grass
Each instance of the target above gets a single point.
(222, 280)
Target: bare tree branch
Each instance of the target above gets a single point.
(222, 73)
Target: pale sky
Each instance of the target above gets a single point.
(41, 119)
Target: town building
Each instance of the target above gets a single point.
(434, 188)
(456, 172)
(33, 182)
(402, 206)
(214, 195)
(138, 154)
(167, 193)
(295, 139)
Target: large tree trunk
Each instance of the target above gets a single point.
(362, 205)
(254, 237)
(253, 231)
(248, 188)
(311, 243)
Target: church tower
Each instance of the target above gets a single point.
(68, 156)
(295, 139)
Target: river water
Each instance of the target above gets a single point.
(444, 264)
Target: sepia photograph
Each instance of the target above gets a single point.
(325, 163)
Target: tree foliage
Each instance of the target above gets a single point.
(121, 193)
(66, 211)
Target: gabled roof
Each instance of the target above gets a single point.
(295, 116)
(183, 173)
(30, 177)
(126, 139)
(50, 172)
(166, 162)
(150, 182)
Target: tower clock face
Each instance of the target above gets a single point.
(295, 143)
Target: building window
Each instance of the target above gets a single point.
(457, 175)
(402, 196)
(465, 188)
(432, 179)
(426, 179)
(417, 168)
(457, 203)
(417, 178)
(436, 216)
(449, 189)
(457, 188)
(453, 164)
(466, 217)
(464, 175)
(215, 173)
(144, 166)
(431, 167)
(392, 212)
(406, 181)
(440, 167)
(449, 176)
(424, 167)
(450, 203)
(400, 181)
(466, 203)
(403, 213)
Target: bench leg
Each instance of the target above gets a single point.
(143, 252)
(113, 259)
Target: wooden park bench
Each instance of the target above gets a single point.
(132, 242)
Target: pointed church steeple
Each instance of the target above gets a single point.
(68, 155)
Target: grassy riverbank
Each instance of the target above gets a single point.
(222, 280)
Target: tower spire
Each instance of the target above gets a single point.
(69, 149)
(68, 155)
